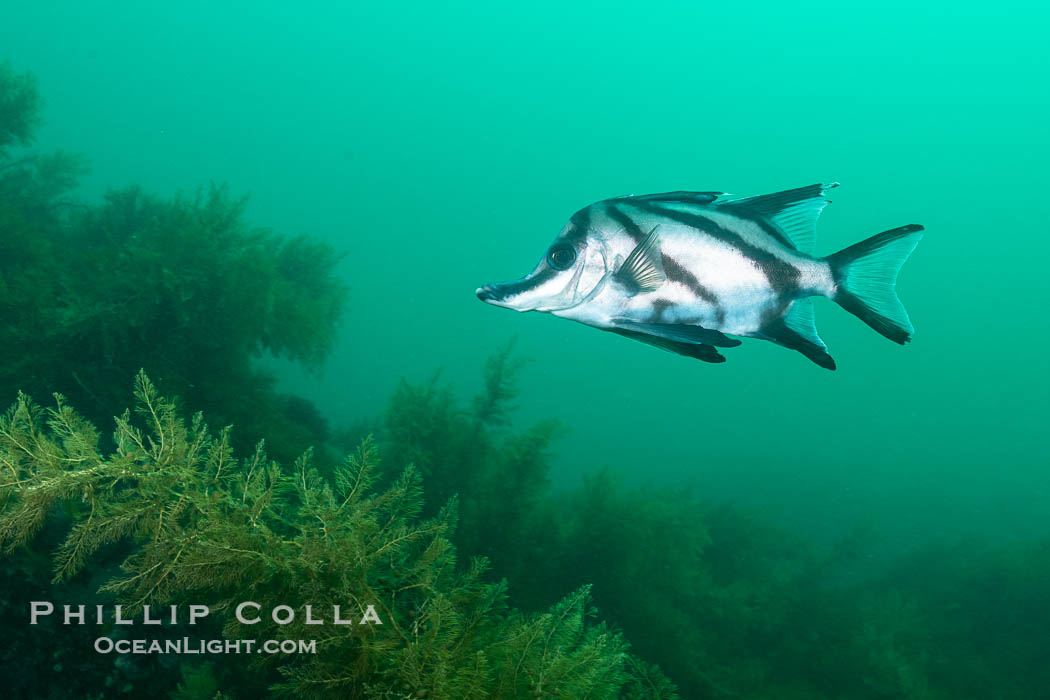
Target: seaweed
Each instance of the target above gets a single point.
(469, 451)
(726, 603)
(182, 286)
(19, 108)
(204, 526)
(470, 581)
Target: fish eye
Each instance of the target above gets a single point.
(561, 256)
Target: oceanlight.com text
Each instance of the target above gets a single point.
(105, 645)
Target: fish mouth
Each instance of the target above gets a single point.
(488, 293)
(523, 295)
(508, 295)
(495, 295)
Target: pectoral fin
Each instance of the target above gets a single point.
(643, 270)
(679, 333)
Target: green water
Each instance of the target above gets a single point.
(443, 146)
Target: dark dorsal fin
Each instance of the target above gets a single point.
(794, 212)
(699, 351)
(678, 196)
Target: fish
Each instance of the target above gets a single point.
(695, 272)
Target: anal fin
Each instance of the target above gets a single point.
(797, 330)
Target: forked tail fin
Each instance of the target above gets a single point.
(866, 274)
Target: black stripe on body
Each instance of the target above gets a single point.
(774, 313)
(766, 227)
(581, 220)
(764, 207)
(783, 276)
(672, 269)
(659, 307)
(619, 216)
(679, 196)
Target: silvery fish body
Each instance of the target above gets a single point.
(687, 271)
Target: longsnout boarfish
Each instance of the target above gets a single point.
(693, 272)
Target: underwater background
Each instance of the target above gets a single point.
(898, 507)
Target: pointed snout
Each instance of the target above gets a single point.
(488, 293)
(507, 295)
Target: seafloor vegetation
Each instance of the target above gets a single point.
(181, 287)
(488, 582)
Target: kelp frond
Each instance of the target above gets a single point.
(493, 405)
